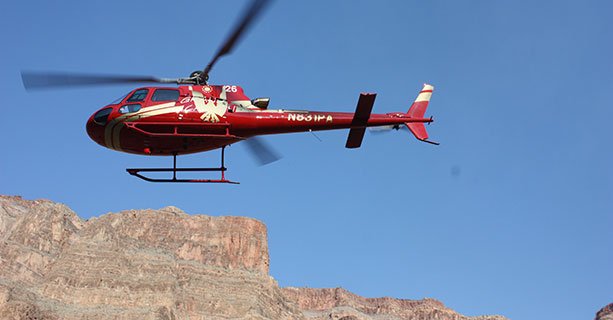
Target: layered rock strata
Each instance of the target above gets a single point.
(160, 264)
(338, 303)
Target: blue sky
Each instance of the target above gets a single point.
(510, 215)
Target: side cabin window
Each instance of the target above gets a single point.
(165, 95)
(138, 95)
(129, 108)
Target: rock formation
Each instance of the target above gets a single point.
(606, 313)
(339, 303)
(161, 264)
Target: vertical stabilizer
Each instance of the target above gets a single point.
(418, 108)
(417, 111)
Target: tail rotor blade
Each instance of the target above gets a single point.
(386, 129)
(261, 151)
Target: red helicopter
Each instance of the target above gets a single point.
(196, 117)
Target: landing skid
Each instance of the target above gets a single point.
(137, 172)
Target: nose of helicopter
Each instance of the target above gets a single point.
(95, 131)
(96, 125)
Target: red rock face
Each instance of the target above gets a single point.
(228, 242)
(339, 303)
(160, 264)
(140, 264)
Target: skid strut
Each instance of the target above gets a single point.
(137, 172)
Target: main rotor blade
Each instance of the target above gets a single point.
(42, 80)
(244, 23)
(261, 151)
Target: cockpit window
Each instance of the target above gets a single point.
(102, 116)
(138, 95)
(165, 95)
(129, 108)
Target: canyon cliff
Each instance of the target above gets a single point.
(161, 264)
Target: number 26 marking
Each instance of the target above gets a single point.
(230, 88)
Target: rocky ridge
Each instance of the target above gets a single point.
(161, 264)
(606, 313)
(339, 303)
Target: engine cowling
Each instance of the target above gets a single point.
(261, 103)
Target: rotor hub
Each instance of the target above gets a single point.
(199, 77)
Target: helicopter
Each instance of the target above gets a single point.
(196, 116)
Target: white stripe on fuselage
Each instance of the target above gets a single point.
(112, 129)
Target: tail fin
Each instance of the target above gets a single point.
(418, 110)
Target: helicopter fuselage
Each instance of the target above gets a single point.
(191, 119)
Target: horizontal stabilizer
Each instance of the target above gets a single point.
(354, 140)
(360, 119)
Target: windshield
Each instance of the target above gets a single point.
(138, 95)
(120, 99)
